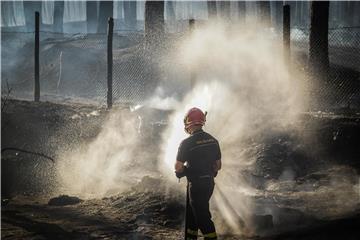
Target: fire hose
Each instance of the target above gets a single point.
(186, 210)
(27, 151)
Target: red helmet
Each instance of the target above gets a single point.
(194, 117)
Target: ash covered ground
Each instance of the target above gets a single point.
(303, 186)
(282, 179)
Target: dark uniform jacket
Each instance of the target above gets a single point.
(200, 151)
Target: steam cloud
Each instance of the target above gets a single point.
(101, 167)
(244, 84)
(248, 91)
(241, 80)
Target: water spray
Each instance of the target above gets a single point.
(242, 80)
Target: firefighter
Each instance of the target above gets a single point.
(199, 159)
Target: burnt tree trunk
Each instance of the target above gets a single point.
(58, 16)
(319, 44)
(212, 11)
(286, 33)
(91, 16)
(130, 14)
(105, 11)
(154, 22)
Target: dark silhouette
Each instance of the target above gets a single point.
(286, 32)
(319, 43)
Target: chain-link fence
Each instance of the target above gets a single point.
(139, 69)
(15, 49)
(341, 88)
(74, 66)
(130, 67)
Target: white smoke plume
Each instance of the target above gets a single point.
(100, 168)
(247, 89)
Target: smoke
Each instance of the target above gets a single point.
(328, 193)
(249, 93)
(244, 84)
(102, 166)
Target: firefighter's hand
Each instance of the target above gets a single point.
(181, 174)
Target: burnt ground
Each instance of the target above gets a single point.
(144, 211)
(136, 214)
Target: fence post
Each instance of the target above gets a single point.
(192, 73)
(36, 54)
(110, 62)
(286, 33)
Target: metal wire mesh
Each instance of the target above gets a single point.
(131, 68)
(74, 66)
(18, 78)
(341, 88)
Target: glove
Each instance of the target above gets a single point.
(182, 174)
